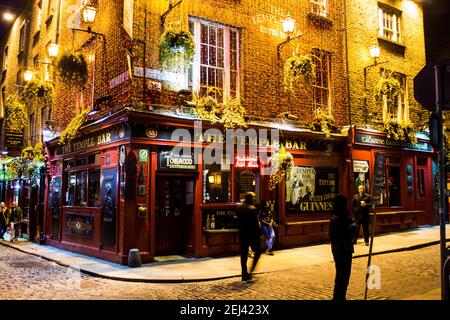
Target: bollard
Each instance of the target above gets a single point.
(134, 258)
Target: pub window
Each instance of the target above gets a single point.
(215, 69)
(321, 83)
(389, 23)
(70, 194)
(217, 184)
(94, 188)
(391, 196)
(81, 189)
(398, 110)
(319, 7)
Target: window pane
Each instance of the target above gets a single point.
(70, 194)
(219, 82)
(220, 37)
(217, 184)
(204, 34)
(81, 195)
(204, 54)
(220, 61)
(394, 186)
(94, 189)
(233, 40)
(212, 61)
(212, 36)
(203, 75)
(211, 77)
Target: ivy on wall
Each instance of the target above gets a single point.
(16, 117)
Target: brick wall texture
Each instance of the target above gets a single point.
(259, 24)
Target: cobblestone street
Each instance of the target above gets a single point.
(403, 275)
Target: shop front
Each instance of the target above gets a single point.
(121, 185)
(407, 197)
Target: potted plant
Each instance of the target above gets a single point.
(176, 49)
(70, 132)
(324, 122)
(298, 68)
(72, 69)
(281, 163)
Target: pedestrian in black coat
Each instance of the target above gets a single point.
(341, 233)
(249, 233)
(361, 209)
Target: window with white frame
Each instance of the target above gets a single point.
(398, 110)
(319, 7)
(389, 23)
(215, 69)
(22, 38)
(322, 82)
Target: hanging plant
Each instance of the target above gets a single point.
(13, 169)
(233, 114)
(16, 118)
(207, 108)
(400, 130)
(72, 69)
(323, 122)
(38, 91)
(297, 69)
(176, 49)
(70, 132)
(390, 88)
(282, 163)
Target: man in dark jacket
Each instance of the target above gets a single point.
(15, 217)
(341, 234)
(3, 219)
(361, 207)
(249, 233)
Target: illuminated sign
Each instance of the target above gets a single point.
(246, 162)
(172, 161)
(369, 139)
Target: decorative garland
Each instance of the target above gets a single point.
(72, 69)
(38, 91)
(16, 118)
(400, 130)
(324, 122)
(390, 88)
(70, 132)
(282, 163)
(176, 49)
(298, 68)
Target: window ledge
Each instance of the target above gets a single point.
(386, 41)
(320, 21)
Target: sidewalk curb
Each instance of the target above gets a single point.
(141, 280)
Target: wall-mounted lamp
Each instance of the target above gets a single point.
(374, 52)
(5, 152)
(28, 75)
(211, 179)
(288, 26)
(47, 132)
(89, 13)
(53, 50)
(8, 16)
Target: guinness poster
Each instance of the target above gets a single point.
(311, 189)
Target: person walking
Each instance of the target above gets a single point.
(268, 226)
(341, 234)
(249, 233)
(361, 207)
(15, 219)
(4, 221)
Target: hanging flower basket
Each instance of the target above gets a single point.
(390, 88)
(38, 91)
(16, 118)
(233, 114)
(282, 163)
(176, 49)
(72, 69)
(298, 69)
(207, 108)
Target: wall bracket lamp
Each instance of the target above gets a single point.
(165, 14)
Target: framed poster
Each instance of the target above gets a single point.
(361, 174)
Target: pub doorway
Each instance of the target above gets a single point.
(174, 214)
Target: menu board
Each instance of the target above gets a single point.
(246, 182)
(311, 189)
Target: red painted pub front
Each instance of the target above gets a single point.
(119, 186)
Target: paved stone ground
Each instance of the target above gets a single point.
(403, 275)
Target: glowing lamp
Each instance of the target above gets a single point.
(53, 50)
(288, 24)
(374, 51)
(8, 16)
(211, 179)
(89, 12)
(28, 75)
(47, 134)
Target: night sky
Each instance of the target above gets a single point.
(11, 6)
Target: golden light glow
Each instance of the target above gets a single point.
(288, 24)
(28, 75)
(374, 51)
(218, 179)
(8, 16)
(53, 50)
(211, 179)
(89, 13)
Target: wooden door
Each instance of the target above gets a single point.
(174, 214)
